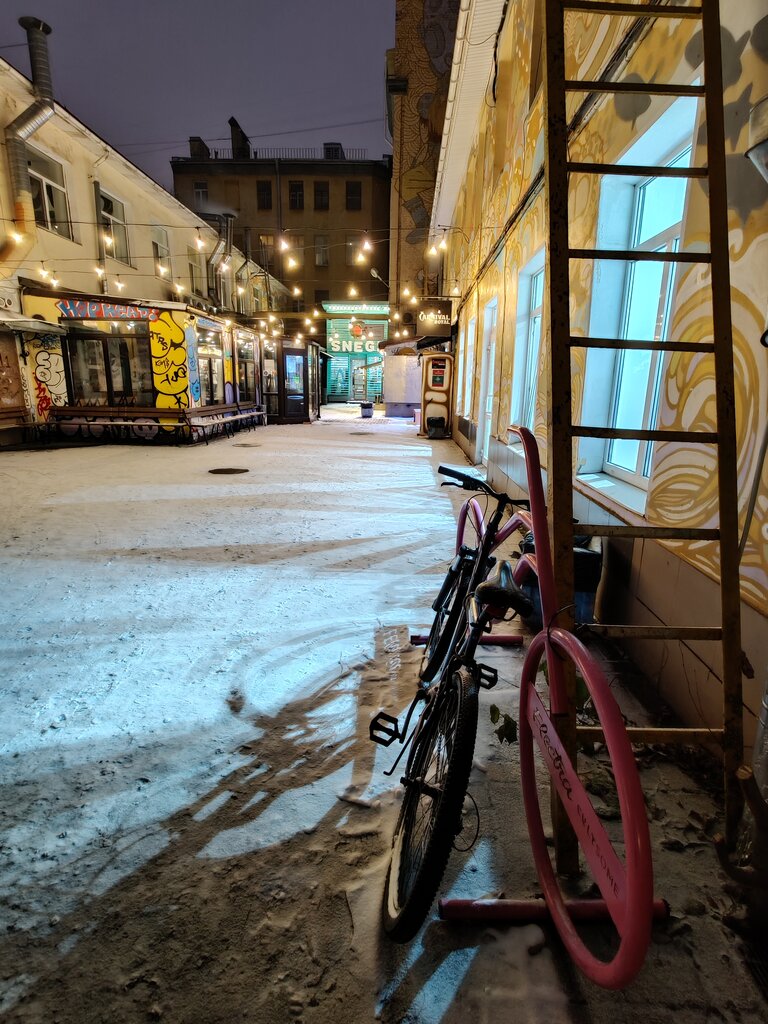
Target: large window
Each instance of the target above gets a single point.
(267, 251)
(161, 252)
(657, 223)
(200, 190)
(633, 300)
(196, 271)
(469, 367)
(264, 195)
(114, 370)
(351, 249)
(296, 195)
(322, 195)
(527, 343)
(49, 194)
(112, 217)
(354, 195)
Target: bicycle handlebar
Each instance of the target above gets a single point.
(470, 482)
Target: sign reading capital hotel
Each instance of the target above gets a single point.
(434, 319)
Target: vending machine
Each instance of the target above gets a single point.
(436, 394)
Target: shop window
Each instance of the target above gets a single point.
(354, 195)
(264, 195)
(322, 195)
(296, 195)
(111, 370)
(161, 253)
(321, 250)
(200, 190)
(112, 216)
(210, 357)
(525, 368)
(246, 371)
(633, 300)
(49, 194)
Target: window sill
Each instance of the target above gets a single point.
(618, 492)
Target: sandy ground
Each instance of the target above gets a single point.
(193, 823)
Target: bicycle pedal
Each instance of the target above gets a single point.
(384, 729)
(487, 677)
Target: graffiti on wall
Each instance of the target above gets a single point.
(48, 377)
(170, 375)
(190, 337)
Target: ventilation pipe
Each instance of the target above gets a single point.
(25, 125)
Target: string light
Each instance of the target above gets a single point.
(313, 330)
(284, 247)
(292, 263)
(296, 290)
(43, 272)
(162, 271)
(406, 292)
(109, 241)
(99, 271)
(443, 244)
(367, 245)
(315, 312)
(432, 251)
(199, 241)
(455, 290)
(414, 300)
(352, 291)
(17, 237)
(360, 258)
(54, 280)
(119, 284)
(179, 287)
(395, 316)
(240, 290)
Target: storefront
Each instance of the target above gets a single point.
(150, 357)
(354, 369)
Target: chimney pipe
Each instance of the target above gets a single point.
(19, 130)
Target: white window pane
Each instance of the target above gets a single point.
(643, 301)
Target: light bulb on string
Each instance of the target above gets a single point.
(109, 241)
(119, 284)
(360, 258)
(353, 291)
(432, 251)
(292, 263)
(366, 245)
(414, 300)
(179, 287)
(17, 237)
(45, 274)
(443, 244)
(406, 292)
(296, 290)
(99, 272)
(284, 247)
(54, 280)
(199, 241)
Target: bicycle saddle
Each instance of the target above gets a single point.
(500, 591)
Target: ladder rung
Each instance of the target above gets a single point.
(636, 10)
(657, 632)
(638, 170)
(694, 436)
(645, 734)
(650, 346)
(651, 532)
(641, 88)
(639, 256)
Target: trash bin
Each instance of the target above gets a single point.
(366, 410)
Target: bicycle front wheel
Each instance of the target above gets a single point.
(435, 783)
(449, 607)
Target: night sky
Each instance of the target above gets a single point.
(147, 74)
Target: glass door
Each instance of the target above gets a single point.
(489, 359)
(295, 391)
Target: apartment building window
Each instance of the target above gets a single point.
(322, 195)
(200, 189)
(49, 194)
(354, 195)
(196, 270)
(321, 250)
(115, 230)
(296, 195)
(161, 253)
(296, 251)
(264, 195)
(322, 295)
(525, 371)
(267, 251)
(351, 249)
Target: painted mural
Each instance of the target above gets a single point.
(170, 371)
(425, 37)
(505, 167)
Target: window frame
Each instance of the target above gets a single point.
(161, 253)
(108, 221)
(469, 367)
(296, 195)
(322, 247)
(530, 313)
(47, 207)
(352, 202)
(322, 190)
(200, 194)
(264, 194)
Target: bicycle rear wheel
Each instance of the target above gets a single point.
(435, 782)
(448, 610)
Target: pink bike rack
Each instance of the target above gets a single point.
(626, 886)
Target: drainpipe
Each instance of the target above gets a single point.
(25, 125)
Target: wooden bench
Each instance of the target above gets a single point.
(130, 422)
(211, 420)
(16, 417)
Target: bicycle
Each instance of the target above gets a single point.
(443, 739)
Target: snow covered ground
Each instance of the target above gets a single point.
(193, 822)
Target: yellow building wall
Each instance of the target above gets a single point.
(501, 184)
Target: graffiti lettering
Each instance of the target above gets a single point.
(82, 309)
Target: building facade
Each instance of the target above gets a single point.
(139, 302)
(489, 208)
(317, 220)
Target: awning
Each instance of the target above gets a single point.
(17, 322)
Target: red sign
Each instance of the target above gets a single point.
(84, 309)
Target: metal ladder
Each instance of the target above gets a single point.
(561, 429)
